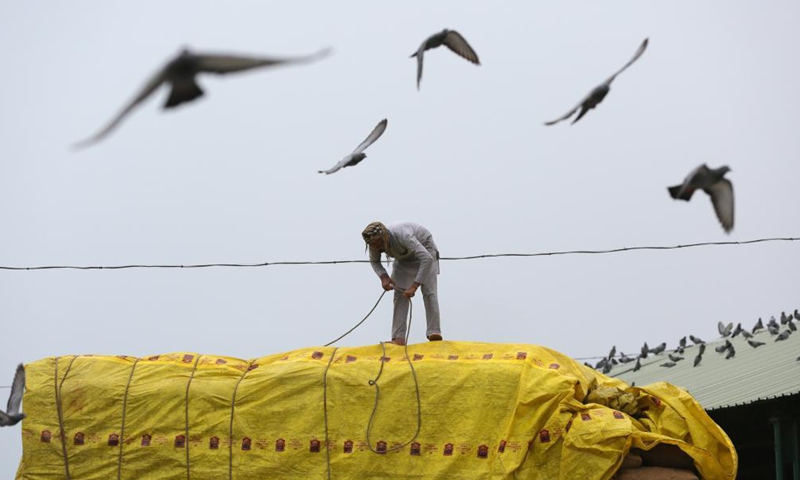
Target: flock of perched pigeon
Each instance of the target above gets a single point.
(726, 331)
(180, 74)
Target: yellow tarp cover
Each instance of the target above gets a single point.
(489, 411)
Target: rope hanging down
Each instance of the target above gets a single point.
(335, 262)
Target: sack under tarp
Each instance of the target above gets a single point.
(493, 411)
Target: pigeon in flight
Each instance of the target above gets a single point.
(12, 415)
(180, 72)
(450, 39)
(711, 181)
(758, 326)
(724, 330)
(755, 344)
(597, 95)
(358, 154)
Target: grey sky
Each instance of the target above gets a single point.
(233, 177)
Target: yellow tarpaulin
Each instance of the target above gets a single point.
(494, 411)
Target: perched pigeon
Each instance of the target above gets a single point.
(785, 319)
(755, 344)
(450, 39)
(180, 73)
(659, 349)
(737, 330)
(724, 330)
(679, 350)
(772, 322)
(644, 351)
(783, 336)
(668, 364)
(698, 359)
(597, 95)
(702, 349)
(718, 188)
(587, 364)
(638, 365)
(612, 352)
(696, 340)
(731, 352)
(721, 348)
(792, 327)
(12, 415)
(607, 368)
(796, 315)
(682, 342)
(675, 358)
(746, 334)
(358, 154)
(758, 326)
(602, 363)
(773, 329)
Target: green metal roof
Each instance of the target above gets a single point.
(754, 374)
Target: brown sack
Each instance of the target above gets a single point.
(631, 461)
(665, 455)
(655, 473)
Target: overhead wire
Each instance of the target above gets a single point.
(336, 262)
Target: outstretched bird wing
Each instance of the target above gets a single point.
(568, 114)
(722, 198)
(151, 85)
(636, 56)
(455, 42)
(222, 64)
(17, 388)
(374, 135)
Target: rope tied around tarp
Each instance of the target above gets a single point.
(233, 405)
(124, 410)
(186, 403)
(60, 410)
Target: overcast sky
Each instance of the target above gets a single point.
(233, 177)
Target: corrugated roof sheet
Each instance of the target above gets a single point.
(769, 371)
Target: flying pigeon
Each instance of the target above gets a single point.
(755, 344)
(597, 95)
(737, 330)
(758, 326)
(12, 415)
(675, 358)
(180, 72)
(718, 188)
(724, 330)
(783, 336)
(358, 154)
(638, 365)
(696, 340)
(668, 364)
(450, 39)
(659, 349)
(698, 359)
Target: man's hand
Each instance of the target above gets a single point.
(387, 283)
(411, 290)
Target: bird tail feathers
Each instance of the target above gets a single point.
(183, 92)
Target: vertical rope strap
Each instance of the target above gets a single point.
(374, 383)
(124, 409)
(230, 434)
(60, 411)
(359, 323)
(325, 408)
(188, 384)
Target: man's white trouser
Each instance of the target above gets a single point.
(403, 274)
